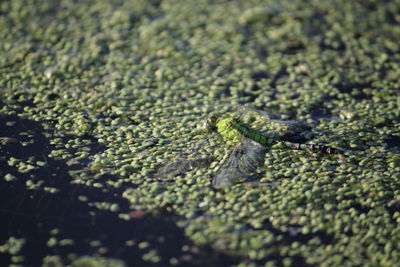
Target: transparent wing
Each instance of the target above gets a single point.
(292, 134)
(241, 164)
(272, 126)
(183, 166)
(192, 159)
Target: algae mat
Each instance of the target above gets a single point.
(97, 96)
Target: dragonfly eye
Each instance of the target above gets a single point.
(210, 124)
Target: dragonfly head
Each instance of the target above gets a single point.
(210, 124)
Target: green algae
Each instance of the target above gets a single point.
(141, 76)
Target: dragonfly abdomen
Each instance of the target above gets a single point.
(251, 134)
(234, 128)
(264, 140)
(311, 147)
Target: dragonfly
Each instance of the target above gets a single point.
(250, 147)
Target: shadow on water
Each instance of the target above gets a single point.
(33, 214)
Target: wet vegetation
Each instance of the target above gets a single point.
(98, 97)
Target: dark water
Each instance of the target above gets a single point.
(33, 214)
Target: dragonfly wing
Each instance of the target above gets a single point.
(185, 163)
(272, 126)
(183, 166)
(241, 164)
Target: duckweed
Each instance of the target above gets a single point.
(122, 87)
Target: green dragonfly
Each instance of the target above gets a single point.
(249, 151)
